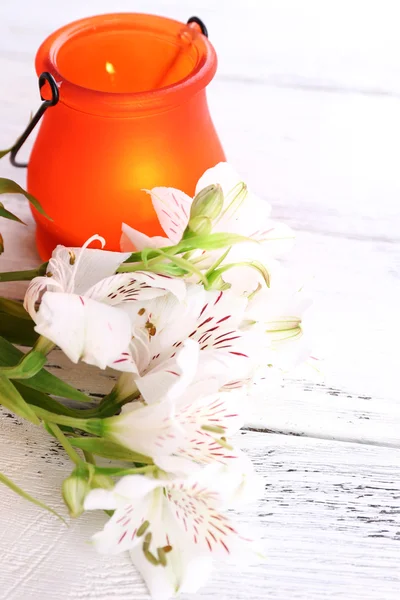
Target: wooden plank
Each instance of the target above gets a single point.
(329, 521)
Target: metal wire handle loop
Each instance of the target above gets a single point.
(55, 96)
(200, 23)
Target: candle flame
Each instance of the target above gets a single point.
(110, 68)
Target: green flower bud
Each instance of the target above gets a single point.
(74, 491)
(200, 225)
(208, 202)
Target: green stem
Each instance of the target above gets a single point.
(56, 431)
(43, 345)
(138, 256)
(117, 471)
(89, 457)
(218, 262)
(138, 266)
(187, 265)
(93, 426)
(23, 275)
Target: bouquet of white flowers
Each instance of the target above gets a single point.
(191, 322)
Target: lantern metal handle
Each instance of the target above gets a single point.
(200, 23)
(55, 96)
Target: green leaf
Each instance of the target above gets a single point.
(17, 330)
(15, 488)
(1, 244)
(12, 307)
(8, 186)
(45, 401)
(6, 214)
(5, 152)
(12, 399)
(107, 449)
(29, 365)
(43, 381)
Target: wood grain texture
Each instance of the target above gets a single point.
(329, 523)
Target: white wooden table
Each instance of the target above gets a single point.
(321, 143)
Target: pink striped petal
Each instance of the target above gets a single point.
(173, 209)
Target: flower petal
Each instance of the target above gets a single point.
(277, 238)
(35, 290)
(83, 328)
(173, 209)
(237, 483)
(185, 572)
(223, 174)
(133, 240)
(196, 519)
(201, 419)
(136, 499)
(135, 287)
(278, 312)
(77, 269)
(171, 378)
(100, 499)
(149, 430)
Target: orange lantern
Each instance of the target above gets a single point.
(127, 111)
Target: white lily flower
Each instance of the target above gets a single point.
(173, 528)
(210, 318)
(240, 212)
(81, 298)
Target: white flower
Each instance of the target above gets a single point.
(81, 299)
(278, 313)
(173, 528)
(210, 318)
(242, 213)
(190, 424)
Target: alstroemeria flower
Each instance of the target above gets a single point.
(173, 528)
(188, 426)
(210, 318)
(80, 299)
(278, 313)
(242, 213)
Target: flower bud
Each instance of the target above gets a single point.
(200, 225)
(208, 202)
(74, 490)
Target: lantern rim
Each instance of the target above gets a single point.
(114, 103)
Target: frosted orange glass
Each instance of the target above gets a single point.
(132, 115)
